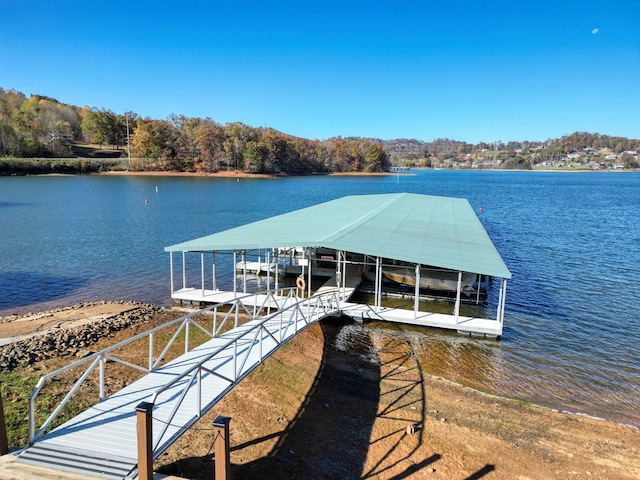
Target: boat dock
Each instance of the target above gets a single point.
(417, 246)
(363, 313)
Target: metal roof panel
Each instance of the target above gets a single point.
(437, 231)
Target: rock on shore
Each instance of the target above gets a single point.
(77, 340)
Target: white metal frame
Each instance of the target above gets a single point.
(258, 305)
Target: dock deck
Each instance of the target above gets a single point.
(462, 324)
(364, 312)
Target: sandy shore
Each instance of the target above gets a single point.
(316, 410)
(157, 173)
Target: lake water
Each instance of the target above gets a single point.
(571, 241)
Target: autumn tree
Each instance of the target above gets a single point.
(237, 135)
(209, 137)
(155, 141)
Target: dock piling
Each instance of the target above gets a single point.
(145, 437)
(222, 449)
(4, 443)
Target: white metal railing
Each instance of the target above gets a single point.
(251, 304)
(275, 326)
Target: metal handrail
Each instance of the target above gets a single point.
(99, 359)
(233, 340)
(323, 303)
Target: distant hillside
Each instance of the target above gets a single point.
(577, 150)
(42, 127)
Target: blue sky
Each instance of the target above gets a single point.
(470, 71)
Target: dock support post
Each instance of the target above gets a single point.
(184, 269)
(339, 275)
(277, 261)
(214, 283)
(457, 307)
(504, 300)
(501, 302)
(377, 289)
(171, 272)
(145, 450)
(4, 443)
(202, 271)
(309, 282)
(416, 300)
(344, 275)
(235, 274)
(376, 293)
(244, 271)
(268, 257)
(221, 448)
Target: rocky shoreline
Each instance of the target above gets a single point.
(60, 340)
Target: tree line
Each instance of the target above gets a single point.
(41, 126)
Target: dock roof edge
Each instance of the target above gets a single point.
(431, 230)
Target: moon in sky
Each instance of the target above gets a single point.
(595, 30)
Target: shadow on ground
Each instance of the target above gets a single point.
(329, 436)
(363, 418)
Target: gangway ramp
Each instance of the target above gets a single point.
(102, 440)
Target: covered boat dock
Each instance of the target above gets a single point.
(422, 245)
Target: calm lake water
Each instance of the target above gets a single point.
(571, 241)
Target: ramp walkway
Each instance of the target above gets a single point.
(102, 440)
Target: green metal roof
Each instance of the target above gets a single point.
(437, 231)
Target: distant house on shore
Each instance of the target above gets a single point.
(61, 137)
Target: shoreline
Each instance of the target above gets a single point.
(295, 415)
(240, 174)
(43, 322)
(244, 175)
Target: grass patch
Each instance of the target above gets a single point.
(17, 386)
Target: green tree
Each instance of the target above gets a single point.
(236, 137)
(256, 156)
(376, 158)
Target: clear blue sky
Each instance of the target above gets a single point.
(470, 71)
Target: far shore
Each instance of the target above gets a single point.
(239, 174)
(242, 174)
